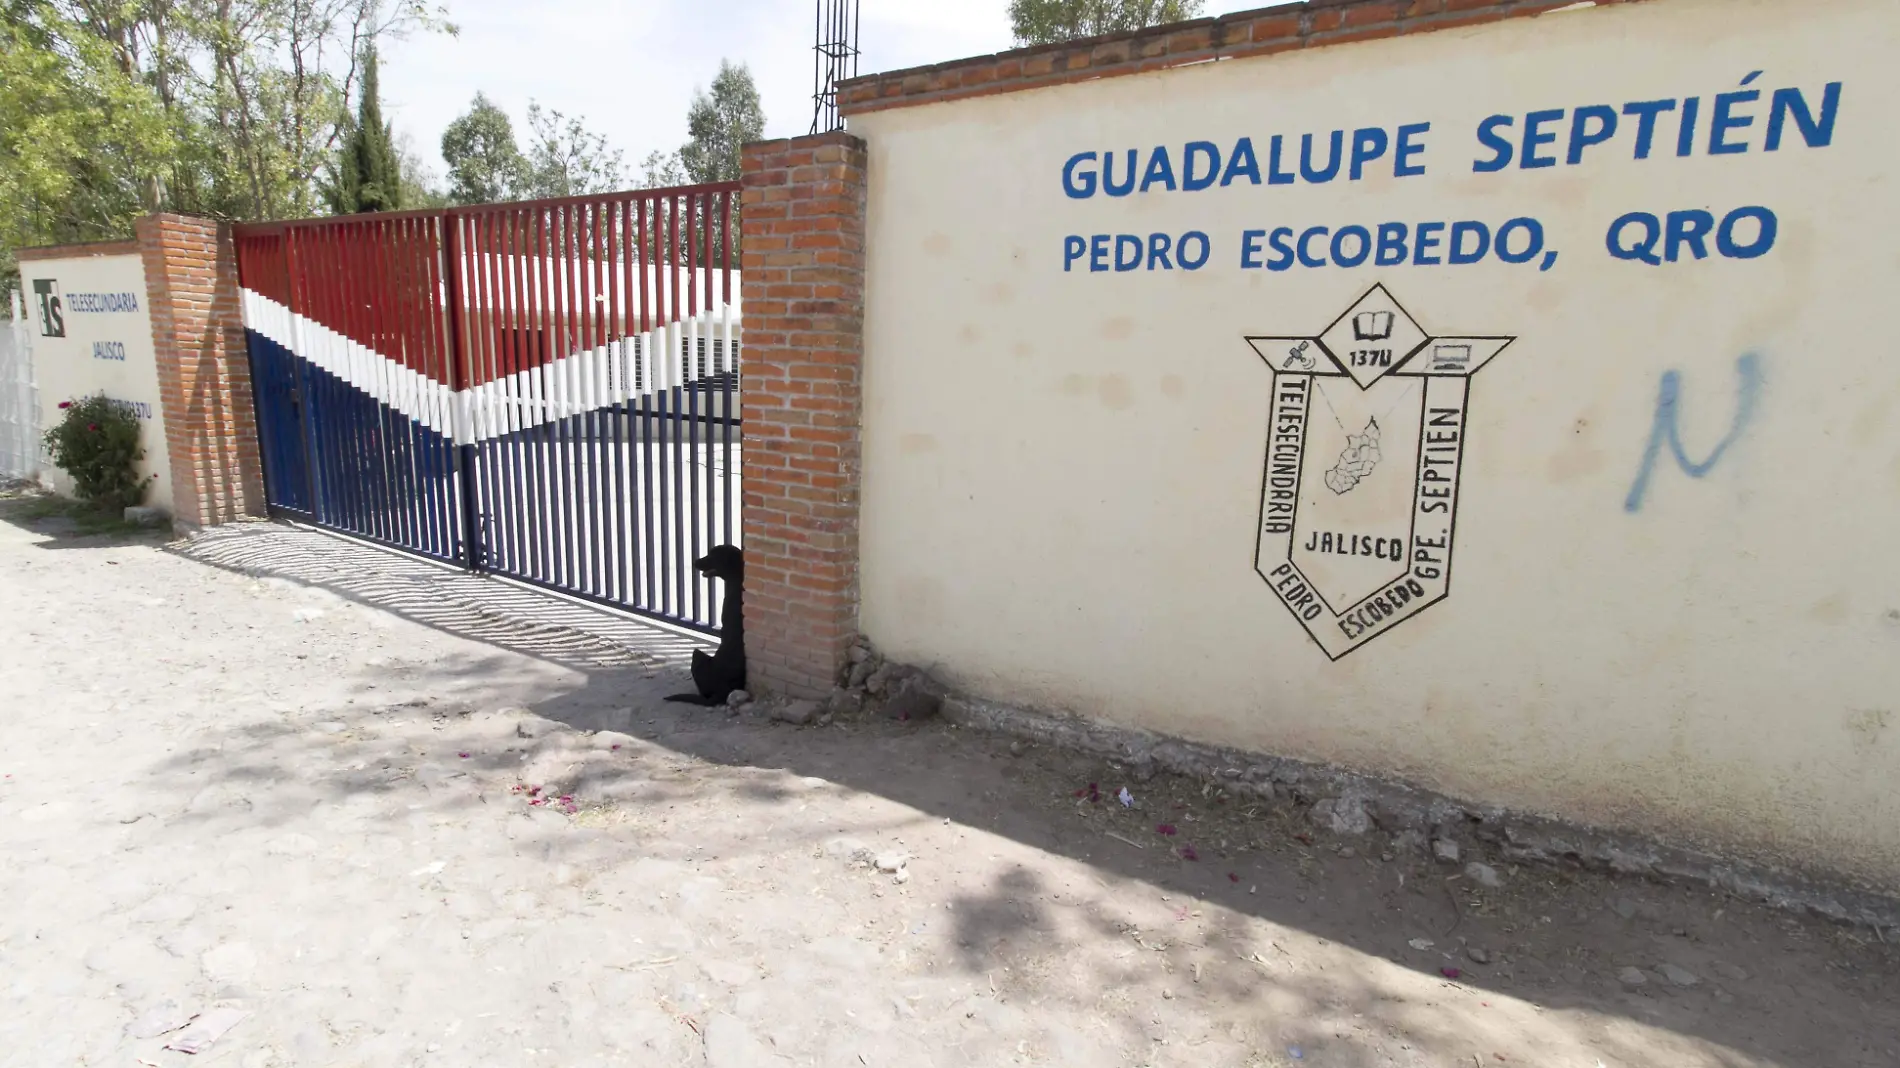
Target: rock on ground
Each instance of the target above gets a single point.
(915, 697)
(1678, 976)
(1484, 875)
(1343, 815)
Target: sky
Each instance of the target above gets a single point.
(629, 68)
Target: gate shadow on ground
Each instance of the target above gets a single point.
(1557, 937)
(484, 609)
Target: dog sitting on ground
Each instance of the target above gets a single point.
(716, 676)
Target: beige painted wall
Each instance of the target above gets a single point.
(107, 347)
(1063, 470)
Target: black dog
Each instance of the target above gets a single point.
(716, 676)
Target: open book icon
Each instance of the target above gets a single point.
(1372, 326)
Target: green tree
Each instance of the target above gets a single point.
(565, 159)
(83, 143)
(1036, 22)
(274, 109)
(661, 170)
(369, 170)
(229, 108)
(719, 123)
(419, 186)
(485, 163)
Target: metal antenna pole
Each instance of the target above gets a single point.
(834, 59)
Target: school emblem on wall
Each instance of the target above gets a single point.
(1359, 504)
(52, 309)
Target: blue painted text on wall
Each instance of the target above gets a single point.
(1664, 428)
(1533, 141)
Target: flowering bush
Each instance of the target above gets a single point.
(97, 443)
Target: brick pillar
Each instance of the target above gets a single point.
(204, 371)
(804, 340)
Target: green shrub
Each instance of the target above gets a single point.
(97, 443)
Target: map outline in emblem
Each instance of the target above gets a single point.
(1360, 565)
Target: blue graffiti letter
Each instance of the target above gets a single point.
(1748, 373)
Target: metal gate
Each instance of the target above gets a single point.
(545, 390)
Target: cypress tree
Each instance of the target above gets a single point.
(369, 171)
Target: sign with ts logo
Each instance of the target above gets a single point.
(52, 312)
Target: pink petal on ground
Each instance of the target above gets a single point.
(1450, 973)
(1165, 828)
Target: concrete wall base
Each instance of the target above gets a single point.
(1338, 797)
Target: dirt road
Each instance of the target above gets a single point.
(401, 816)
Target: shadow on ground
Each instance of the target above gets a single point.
(63, 523)
(495, 611)
(1771, 988)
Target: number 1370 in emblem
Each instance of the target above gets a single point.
(1365, 444)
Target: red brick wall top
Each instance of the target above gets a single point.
(1260, 32)
(84, 248)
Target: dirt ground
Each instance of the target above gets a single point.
(403, 816)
